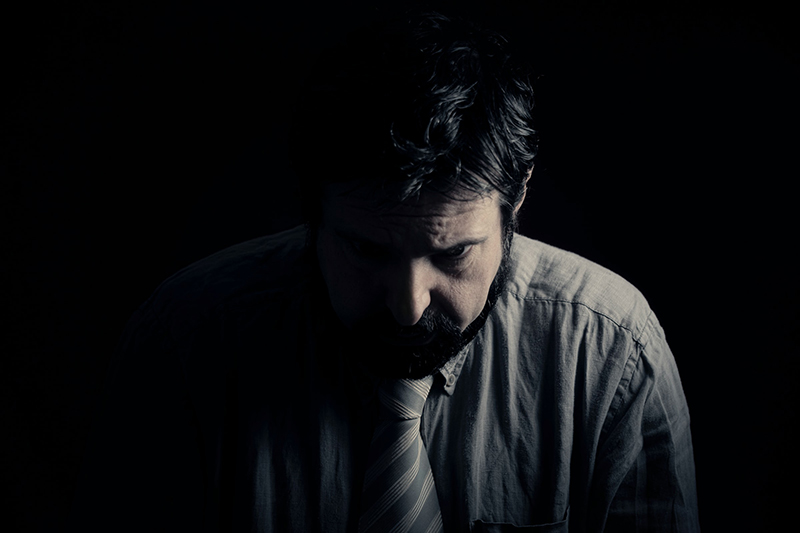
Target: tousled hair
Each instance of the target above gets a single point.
(419, 103)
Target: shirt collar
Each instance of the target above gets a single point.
(452, 369)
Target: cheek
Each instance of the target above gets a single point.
(467, 296)
(349, 294)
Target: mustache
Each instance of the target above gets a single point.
(390, 350)
(384, 325)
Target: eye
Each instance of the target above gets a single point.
(456, 253)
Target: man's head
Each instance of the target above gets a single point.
(413, 143)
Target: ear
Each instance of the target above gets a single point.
(524, 192)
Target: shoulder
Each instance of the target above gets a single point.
(541, 273)
(266, 267)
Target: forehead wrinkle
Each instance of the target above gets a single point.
(437, 232)
(410, 228)
(438, 221)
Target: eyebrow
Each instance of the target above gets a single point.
(353, 236)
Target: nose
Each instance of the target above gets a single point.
(409, 292)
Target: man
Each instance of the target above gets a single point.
(404, 362)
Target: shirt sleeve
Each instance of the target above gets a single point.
(142, 465)
(645, 475)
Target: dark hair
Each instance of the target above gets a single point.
(417, 103)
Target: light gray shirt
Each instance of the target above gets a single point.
(232, 406)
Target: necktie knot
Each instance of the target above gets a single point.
(404, 398)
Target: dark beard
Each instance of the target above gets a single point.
(378, 344)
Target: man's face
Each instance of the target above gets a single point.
(407, 282)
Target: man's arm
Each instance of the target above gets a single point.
(644, 476)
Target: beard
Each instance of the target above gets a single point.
(389, 350)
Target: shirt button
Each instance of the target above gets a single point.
(451, 379)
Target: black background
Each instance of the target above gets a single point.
(139, 138)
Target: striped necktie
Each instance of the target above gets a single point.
(399, 495)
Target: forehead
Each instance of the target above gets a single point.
(363, 211)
